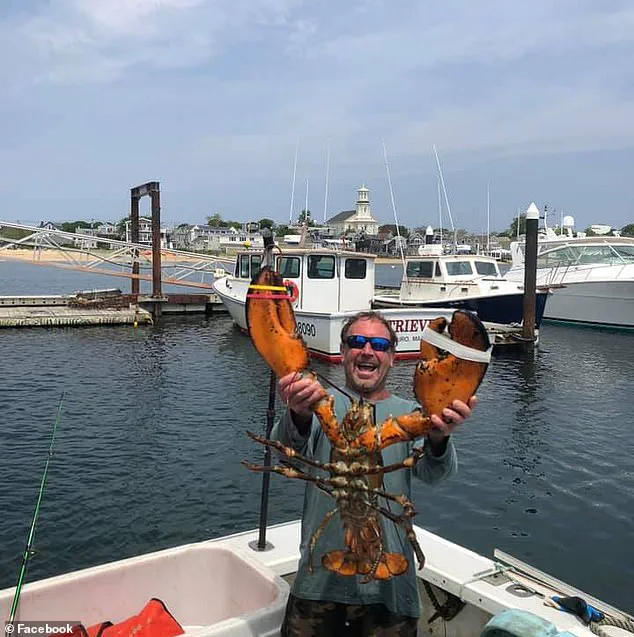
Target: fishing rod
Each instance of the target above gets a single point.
(28, 552)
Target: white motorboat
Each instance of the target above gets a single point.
(592, 277)
(227, 587)
(468, 282)
(328, 287)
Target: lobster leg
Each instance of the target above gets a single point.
(340, 468)
(405, 522)
(316, 535)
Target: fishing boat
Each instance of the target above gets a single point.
(592, 277)
(327, 287)
(229, 587)
(461, 281)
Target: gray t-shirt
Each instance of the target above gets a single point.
(400, 594)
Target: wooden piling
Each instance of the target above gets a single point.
(530, 276)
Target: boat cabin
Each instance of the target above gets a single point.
(322, 280)
(429, 277)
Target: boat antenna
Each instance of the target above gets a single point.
(327, 180)
(290, 216)
(518, 223)
(28, 551)
(444, 189)
(398, 232)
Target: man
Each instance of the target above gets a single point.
(323, 602)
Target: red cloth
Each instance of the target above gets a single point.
(153, 621)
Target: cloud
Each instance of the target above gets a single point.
(219, 91)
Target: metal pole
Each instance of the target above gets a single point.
(530, 276)
(134, 238)
(262, 544)
(155, 196)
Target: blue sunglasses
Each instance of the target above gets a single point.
(377, 343)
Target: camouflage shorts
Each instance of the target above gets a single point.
(307, 618)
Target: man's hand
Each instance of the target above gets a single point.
(300, 394)
(451, 418)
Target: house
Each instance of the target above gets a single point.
(145, 233)
(213, 239)
(49, 225)
(86, 239)
(357, 221)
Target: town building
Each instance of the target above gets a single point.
(357, 221)
(145, 233)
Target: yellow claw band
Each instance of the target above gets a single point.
(268, 287)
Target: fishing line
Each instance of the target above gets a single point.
(28, 551)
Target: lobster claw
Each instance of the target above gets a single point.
(271, 323)
(451, 368)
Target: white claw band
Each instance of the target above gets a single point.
(455, 348)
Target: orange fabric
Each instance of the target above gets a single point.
(153, 621)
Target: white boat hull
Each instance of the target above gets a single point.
(227, 588)
(322, 331)
(601, 303)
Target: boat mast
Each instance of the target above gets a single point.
(439, 207)
(488, 217)
(398, 232)
(327, 180)
(290, 216)
(444, 189)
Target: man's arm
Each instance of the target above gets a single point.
(292, 432)
(440, 459)
(438, 462)
(298, 394)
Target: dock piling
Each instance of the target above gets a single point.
(530, 277)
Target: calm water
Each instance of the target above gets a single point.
(148, 449)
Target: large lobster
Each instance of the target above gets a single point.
(352, 477)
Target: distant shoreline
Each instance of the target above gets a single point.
(51, 255)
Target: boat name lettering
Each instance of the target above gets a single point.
(408, 325)
(306, 329)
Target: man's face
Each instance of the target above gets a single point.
(366, 369)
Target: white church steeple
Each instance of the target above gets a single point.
(363, 203)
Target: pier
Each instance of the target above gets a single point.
(98, 307)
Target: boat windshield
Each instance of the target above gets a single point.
(486, 268)
(625, 252)
(459, 268)
(586, 255)
(422, 269)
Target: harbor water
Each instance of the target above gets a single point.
(149, 446)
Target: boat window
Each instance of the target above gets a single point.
(625, 252)
(244, 266)
(423, 269)
(437, 269)
(556, 258)
(256, 261)
(321, 266)
(355, 268)
(456, 268)
(288, 267)
(486, 268)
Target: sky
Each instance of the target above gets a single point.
(214, 99)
